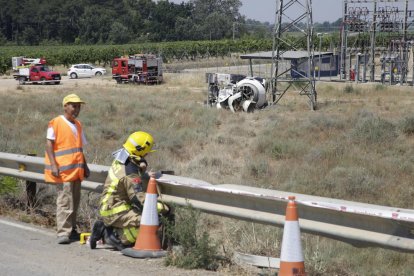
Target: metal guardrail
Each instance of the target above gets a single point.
(356, 223)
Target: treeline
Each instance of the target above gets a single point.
(104, 54)
(62, 22)
(34, 22)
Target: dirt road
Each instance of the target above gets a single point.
(10, 85)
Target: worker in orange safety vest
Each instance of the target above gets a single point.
(65, 166)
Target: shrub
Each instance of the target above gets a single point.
(407, 126)
(255, 169)
(280, 147)
(373, 130)
(349, 89)
(197, 250)
(278, 150)
(8, 185)
(380, 87)
(353, 183)
(331, 151)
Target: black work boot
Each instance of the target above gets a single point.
(112, 239)
(74, 235)
(98, 230)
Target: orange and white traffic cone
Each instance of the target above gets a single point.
(148, 244)
(291, 257)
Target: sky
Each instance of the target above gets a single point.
(264, 10)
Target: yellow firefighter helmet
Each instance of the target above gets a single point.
(139, 143)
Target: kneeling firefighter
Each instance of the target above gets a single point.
(122, 199)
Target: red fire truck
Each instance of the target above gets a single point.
(139, 68)
(34, 70)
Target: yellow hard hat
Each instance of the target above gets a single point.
(139, 143)
(72, 98)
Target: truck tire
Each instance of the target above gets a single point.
(43, 79)
(22, 80)
(98, 74)
(57, 82)
(73, 76)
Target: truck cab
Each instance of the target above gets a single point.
(42, 73)
(120, 68)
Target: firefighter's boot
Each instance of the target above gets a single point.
(98, 230)
(112, 239)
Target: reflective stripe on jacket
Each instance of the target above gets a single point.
(68, 153)
(112, 202)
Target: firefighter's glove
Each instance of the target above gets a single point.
(140, 162)
(162, 208)
(136, 204)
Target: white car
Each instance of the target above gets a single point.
(85, 70)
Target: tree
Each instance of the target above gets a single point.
(255, 29)
(3, 39)
(117, 21)
(30, 36)
(215, 18)
(119, 34)
(69, 20)
(94, 27)
(184, 28)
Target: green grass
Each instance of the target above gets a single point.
(358, 146)
(8, 185)
(196, 249)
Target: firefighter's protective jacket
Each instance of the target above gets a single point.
(124, 182)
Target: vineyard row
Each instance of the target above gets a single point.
(104, 54)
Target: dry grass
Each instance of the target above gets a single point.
(358, 146)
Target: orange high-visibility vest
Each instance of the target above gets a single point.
(68, 153)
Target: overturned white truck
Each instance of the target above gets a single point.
(236, 92)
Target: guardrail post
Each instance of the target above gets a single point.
(31, 190)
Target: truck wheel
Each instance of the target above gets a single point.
(73, 76)
(43, 79)
(22, 80)
(57, 82)
(118, 80)
(98, 74)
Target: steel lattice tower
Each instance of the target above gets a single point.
(293, 17)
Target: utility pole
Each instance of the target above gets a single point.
(320, 35)
(373, 38)
(234, 29)
(344, 42)
(404, 67)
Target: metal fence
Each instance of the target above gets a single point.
(356, 223)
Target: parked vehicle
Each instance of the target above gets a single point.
(139, 68)
(34, 70)
(85, 71)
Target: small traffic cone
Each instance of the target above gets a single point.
(291, 258)
(147, 244)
